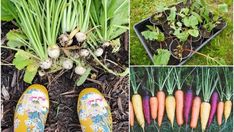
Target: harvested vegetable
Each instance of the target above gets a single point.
(170, 99)
(146, 107)
(151, 87)
(137, 101)
(214, 103)
(188, 104)
(228, 93)
(209, 82)
(220, 107)
(131, 114)
(196, 103)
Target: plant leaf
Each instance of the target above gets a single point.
(31, 72)
(115, 45)
(15, 39)
(83, 78)
(162, 58)
(193, 32)
(8, 10)
(21, 59)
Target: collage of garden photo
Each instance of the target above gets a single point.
(116, 66)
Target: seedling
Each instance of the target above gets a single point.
(153, 33)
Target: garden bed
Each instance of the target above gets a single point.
(194, 43)
(63, 91)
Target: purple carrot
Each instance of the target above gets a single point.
(188, 104)
(146, 108)
(214, 103)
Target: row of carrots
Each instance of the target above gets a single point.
(181, 105)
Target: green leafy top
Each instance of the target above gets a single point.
(228, 83)
(153, 33)
(209, 81)
(171, 82)
(8, 10)
(134, 85)
(110, 18)
(162, 57)
(171, 18)
(150, 80)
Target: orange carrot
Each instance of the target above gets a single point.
(195, 111)
(161, 106)
(220, 109)
(153, 107)
(131, 114)
(179, 97)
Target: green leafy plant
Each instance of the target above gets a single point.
(8, 10)
(172, 16)
(153, 33)
(162, 57)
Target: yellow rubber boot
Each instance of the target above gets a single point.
(93, 111)
(32, 110)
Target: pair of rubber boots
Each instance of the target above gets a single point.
(33, 107)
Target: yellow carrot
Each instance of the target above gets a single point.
(204, 114)
(170, 108)
(227, 109)
(137, 107)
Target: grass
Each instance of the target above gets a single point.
(220, 48)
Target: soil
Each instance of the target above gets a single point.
(178, 49)
(63, 91)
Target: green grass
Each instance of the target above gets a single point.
(220, 48)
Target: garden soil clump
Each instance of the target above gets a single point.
(63, 92)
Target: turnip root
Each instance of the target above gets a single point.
(84, 52)
(80, 70)
(53, 51)
(98, 52)
(81, 37)
(106, 44)
(64, 39)
(46, 64)
(67, 64)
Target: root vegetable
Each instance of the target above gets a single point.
(188, 104)
(204, 115)
(80, 70)
(179, 97)
(220, 110)
(161, 106)
(98, 52)
(67, 64)
(214, 102)
(84, 52)
(146, 108)
(53, 51)
(227, 109)
(170, 108)
(131, 114)
(106, 44)
(153, 107)
(81, 37)
(64, 39)
(195, 112)
(46, 64)
(138, 109)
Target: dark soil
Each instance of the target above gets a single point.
(63, 92)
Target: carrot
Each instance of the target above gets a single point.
(153, 107)
(137, 101)
(170, 100)
(196, 104)
(188, 104)
(208, 85)
(161, 106)
(195, 112)
(227, 109)
(179, 97)
(214, 103)
(146, 107)
(162, 78)
(228, 93)
(131, 114)
(220, 107)
(151, 88)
